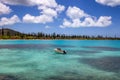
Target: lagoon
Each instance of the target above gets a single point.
(36, 60)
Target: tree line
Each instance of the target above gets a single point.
(11, 34)
(41, 35)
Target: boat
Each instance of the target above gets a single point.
(59, 50)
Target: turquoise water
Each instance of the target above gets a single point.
(36, 60)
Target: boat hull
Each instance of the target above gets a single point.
(59, 51)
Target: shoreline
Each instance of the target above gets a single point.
(59, 39)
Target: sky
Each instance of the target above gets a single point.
(79, 17)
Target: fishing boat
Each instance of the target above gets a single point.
(59, 50)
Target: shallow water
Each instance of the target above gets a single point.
(36, 60)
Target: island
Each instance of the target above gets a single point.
(6, 33)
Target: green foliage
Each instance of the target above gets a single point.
(11, 34)
(5, 37)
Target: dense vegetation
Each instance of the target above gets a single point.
(11, 34)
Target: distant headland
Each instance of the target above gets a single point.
(6, 33)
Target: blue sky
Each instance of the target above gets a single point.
(81, 17)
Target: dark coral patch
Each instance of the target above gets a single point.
(111, 64)
(31, 46)
(7, 77)
(83, 52)
(80, 77)
(73, 75)
(102, 48)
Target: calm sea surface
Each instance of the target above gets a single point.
(36, 60)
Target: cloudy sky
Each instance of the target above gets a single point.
(82, 17)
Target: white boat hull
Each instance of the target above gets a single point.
(59, 51)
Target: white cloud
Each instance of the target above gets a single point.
(9, 21)
(47, 3)
(111, 3)
(37, 19)
(104, 21)
(60, 8)
(4, 9)
(78, 18)
(49, 10)
(74, 12)
(18, 2)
